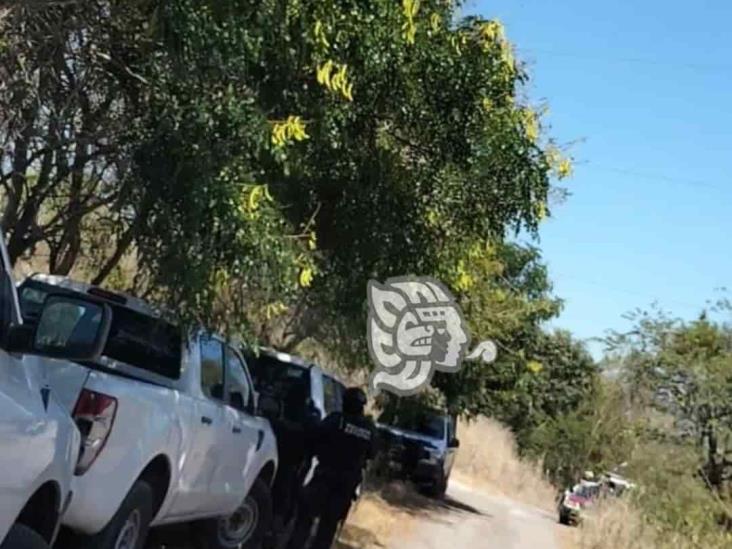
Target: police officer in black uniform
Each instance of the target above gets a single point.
(298, 420)
(343, 444)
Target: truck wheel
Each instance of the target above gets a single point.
(246, 528)
(22, 537)
(438, 489)
(128, 528)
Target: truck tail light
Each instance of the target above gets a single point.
(94, 414)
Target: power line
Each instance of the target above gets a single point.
(686, 305)
(659, 177)
(704, 67)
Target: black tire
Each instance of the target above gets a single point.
(438, 489)
(211, 534)
(22, 537)
(135, 513)
(563, 519)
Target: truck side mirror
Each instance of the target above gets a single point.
(69, 328)
(454, 443)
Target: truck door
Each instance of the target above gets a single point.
(199, 491)
(243, 432)
(28, 430)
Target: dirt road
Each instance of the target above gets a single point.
(470, 519)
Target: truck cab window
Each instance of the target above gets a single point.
(212, 368)
(239, 387)
(333, 402)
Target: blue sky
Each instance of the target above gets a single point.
(642, 89)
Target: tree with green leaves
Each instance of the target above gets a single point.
(683, 370)
(268, 158)
(593, 435)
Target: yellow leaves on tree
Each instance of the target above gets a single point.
(540, 210)
(530, 123)
(320, 37)
(492, 32)
(312, 241)
(287, 131)
(560, 165)
(534, 366)
(491, 35)
(458, 40)
(477, 265)
(463, 280)
(305, 278)
(432, 217)
(409, 28)
(272, 310)
(435, 22)
(565, 168)
(335, 78)
(220, 277)
(253, 196)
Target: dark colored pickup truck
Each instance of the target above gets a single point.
(420, 447)
(295, 395)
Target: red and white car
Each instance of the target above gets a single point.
(576, 502)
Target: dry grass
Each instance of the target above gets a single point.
(615, 524)
(373, 522)
(488, 456)
(618, 524)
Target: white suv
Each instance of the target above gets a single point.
(169, 427)
(39, 442)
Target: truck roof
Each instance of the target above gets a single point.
(296, 361)
(128, 301)
(285, 357)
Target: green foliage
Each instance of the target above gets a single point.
(391, 139)
(685, 370)
(670, 492)
(674, 387)
(596, 435)
(505, 295)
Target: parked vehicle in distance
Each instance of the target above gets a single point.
(575, 503)
(169, 430)
(616, 484)
(299, 394)
(420, 447)
(39, 442)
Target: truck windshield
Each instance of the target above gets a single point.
(426, 424)
(136, 339)
(277, 376)
(288, 383)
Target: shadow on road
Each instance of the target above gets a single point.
(407, 498)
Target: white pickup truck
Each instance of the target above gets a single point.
(39, 442)
(169, 431)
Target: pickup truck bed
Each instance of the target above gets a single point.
(177, 413)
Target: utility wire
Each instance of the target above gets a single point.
(703, 67)
(659, 177)
(697, 307)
